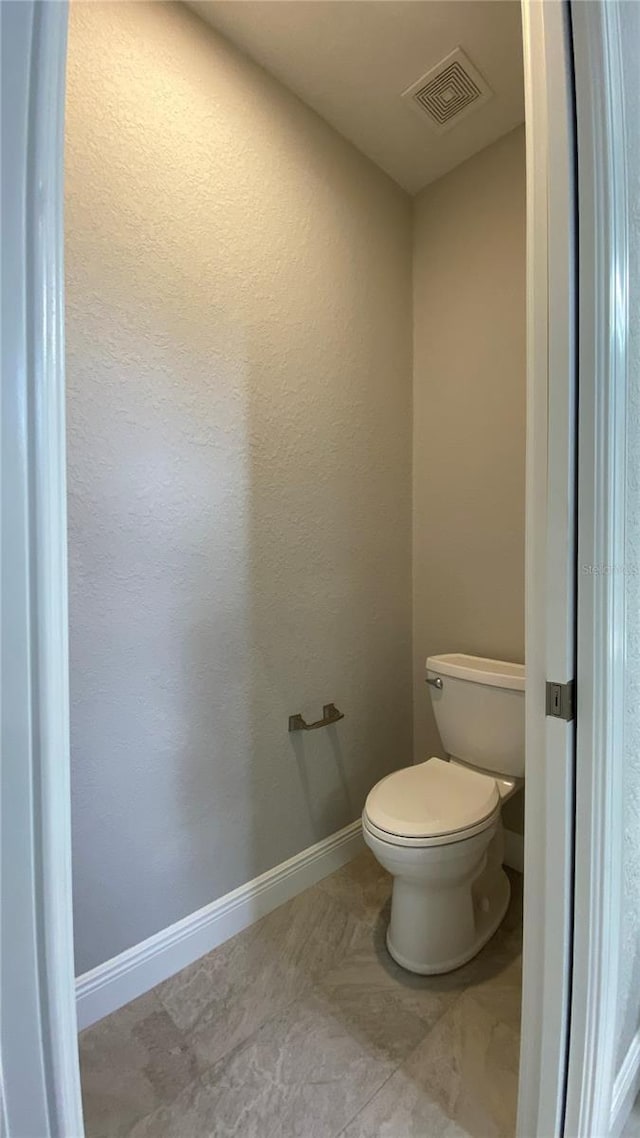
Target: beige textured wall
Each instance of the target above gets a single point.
(469, 417)
(239, 410)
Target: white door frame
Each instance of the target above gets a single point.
(599, 1096)
(40, 1082)
(37, 980)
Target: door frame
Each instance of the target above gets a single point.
(599, 1094)
(40, 1081)
(38, 981)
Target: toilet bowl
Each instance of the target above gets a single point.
(436, 826)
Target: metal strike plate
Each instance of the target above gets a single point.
(561, 700)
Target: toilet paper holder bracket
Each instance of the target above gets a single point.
(330, 714)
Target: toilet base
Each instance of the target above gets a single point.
(487, 924)
(447, 900)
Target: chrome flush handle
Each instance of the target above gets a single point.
(436, 682)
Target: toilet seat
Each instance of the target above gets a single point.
(430, 804)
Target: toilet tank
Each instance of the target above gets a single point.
(479, 710)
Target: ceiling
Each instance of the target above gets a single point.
(350, 60)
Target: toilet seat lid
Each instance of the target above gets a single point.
(430, 799)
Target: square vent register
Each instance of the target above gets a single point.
(448, 92)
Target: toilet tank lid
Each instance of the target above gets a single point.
(479, 669)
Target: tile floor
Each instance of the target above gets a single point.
(303, 1027)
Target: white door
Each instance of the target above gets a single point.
(550, 564)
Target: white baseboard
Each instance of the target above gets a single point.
(514, 850)
(626, 1087)
(138, 969)
(135, 971)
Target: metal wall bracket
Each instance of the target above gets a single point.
(330, 714)
(561, 700)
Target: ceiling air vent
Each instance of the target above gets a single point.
(448, 92)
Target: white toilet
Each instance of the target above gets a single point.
(436, 826)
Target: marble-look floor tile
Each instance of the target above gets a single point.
(469, 1065)
(226, 996)
(379, 1022)
(388, 1009)
(362, 885)
(301, 1076)
(501, 994)
(391, 1009)
(131, 1062)
(462, 1080)
(304, 1027)
(401, 1110)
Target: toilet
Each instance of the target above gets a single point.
(436, 826)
